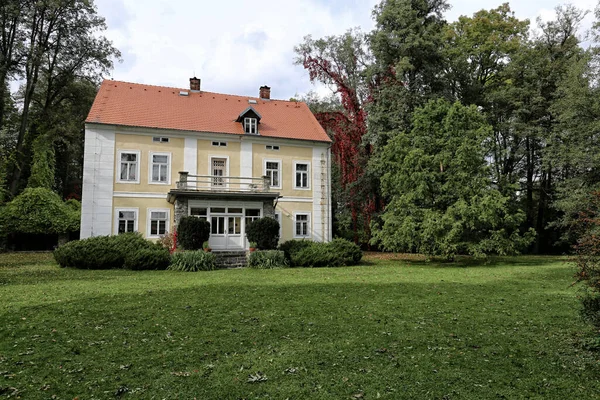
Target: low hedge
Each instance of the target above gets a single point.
(267, 259)
(291, 247)
(336, 253)
(192, 261)
(148, 259)
(101, 252)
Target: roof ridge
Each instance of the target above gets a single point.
(201, 91)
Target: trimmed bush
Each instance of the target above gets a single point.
(291, 247)
(192, 261)
(192, 232)
(101, 252)
(148, 259)
(267, 259)
(264, 232)
(337, 253)
(347, 250)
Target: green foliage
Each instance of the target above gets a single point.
(43, 164)
(148, 259)
(339, 252)
(291, 247)
(442, 199)
(192, 261)
(103, 252)
(267, 259)
(192, 232)
(264, 232)
(39, 211)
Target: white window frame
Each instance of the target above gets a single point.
(250, 123)
(308, 227)
(116, 218)
(149, 220)
(160, 139)
(278, 161)
(210, 171)
(151, 163)
(137, 169)
(308, 178)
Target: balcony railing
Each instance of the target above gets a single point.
(210, 183)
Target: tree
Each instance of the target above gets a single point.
(442, 201)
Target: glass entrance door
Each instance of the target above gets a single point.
(226, 228)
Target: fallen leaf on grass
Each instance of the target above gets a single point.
(257, 378)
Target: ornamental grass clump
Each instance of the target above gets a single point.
(267, 259)
(192, 261)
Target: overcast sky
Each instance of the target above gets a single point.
(235, 46)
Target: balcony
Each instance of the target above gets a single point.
(226, 187)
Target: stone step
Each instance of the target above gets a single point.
(231, 259)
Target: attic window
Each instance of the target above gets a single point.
(219, 144)
(270, 147)
(159, 139)
(250, 126)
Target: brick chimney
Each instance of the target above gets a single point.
(264, 92)
(194, 84)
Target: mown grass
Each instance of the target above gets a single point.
(392, 329)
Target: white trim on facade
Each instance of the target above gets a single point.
(190, 155)
(148, 219)
(138, 162)
(151, 155)
(98, 180)
(320, 195)
(246, 159)
(116, 218)
(289, 199)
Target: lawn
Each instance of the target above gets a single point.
(391, 329)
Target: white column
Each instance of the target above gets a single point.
(98, 179)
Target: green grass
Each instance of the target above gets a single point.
(390, 329)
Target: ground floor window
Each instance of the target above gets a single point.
(158, 222)
(301, 225)
(126, 221)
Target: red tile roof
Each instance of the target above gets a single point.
(133, 104)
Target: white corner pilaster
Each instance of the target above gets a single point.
(321, 229)
(190, 156)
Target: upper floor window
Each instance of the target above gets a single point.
(301, 172)
(272, 170)
(271, 147)
(160, 139)
(219, 144)
(159, 168)
(250, 126)
(129, 168)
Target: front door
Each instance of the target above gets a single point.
(226, 230)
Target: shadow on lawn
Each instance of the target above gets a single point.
(418, 260)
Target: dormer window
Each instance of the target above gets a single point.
(250, 126)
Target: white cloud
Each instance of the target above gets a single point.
(235, 46)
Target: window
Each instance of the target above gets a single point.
(272, 170)
(301, 180)
(159, 168)
(219, 144)
(250, 126)
(301, 225)
(159, 139)
(269, 147)
(218, 171)
(217, 225)
(129, 168)
(125, 220)
(158, 222)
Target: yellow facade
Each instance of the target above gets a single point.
(231, 152)
(287, 155)
(142, 205)
(145, 146)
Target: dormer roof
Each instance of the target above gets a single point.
(249, 112)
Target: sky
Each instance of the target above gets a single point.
(236, 46)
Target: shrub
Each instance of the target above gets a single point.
(347, 250)
(192, 232)
(267, 259)
(264, 232)
(191, 261)
(148, 259)
(101, 252)
(291, 247)
(337, 253)
(168, 240)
